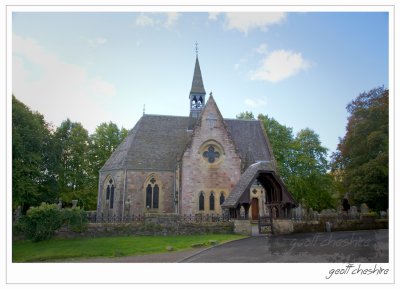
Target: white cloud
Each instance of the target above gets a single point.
(262, 49)
(94, 42)
(246, 21)
(145, 20)
(152, 19)
(240, 63)
(172, 19)
(255, 103)
(57, 89)
(213, 15)
(279, 65)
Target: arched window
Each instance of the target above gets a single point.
(201, 201)
(112, 196)
(149, 193)
(156, 192)
(110, 190)
(212, 203)
(152, 194)
(221, 198)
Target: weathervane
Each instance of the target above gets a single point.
(144, 109)
(197, 48)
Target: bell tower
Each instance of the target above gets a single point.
(197, 95)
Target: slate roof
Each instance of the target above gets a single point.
(197, 83)
(250, 139)
(157, 141)
(247, 179)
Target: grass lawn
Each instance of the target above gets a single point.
(27, 251)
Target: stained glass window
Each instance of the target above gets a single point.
(201, 201)
(212, 203)
(211, 154)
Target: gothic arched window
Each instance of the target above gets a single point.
(221, 198)
(112, 196)
(156, 191)
(149, 193)
(110, 192)
(201, 201)
(152, 194)
(212, 203)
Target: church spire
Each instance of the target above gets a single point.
(197, 83)
(197, 95)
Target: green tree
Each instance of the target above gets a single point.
(362, 156)
(282, 142)
(103, 142)
(32, 180)
(309, 179)
(245, 116)
(72, 147)
(302, 163)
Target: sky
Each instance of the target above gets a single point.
(300, 68)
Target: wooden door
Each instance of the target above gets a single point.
(254, 209)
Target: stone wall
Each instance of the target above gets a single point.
(290, 226)
(153, 225)
(242, 227)
(130, 194)
(136, 191)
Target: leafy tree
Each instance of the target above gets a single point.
(65, 163)
(282, 142)
(245, 116)
(73, 165)
(362, 157)
(302, 163)
(103, 142)
(32, 180)
(309, 179)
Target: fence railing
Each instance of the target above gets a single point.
(211, 218)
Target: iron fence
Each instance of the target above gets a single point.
(114, 219)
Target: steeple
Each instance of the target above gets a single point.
(197, 83)
(197, 95)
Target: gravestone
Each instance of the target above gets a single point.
(364, 208)
(328, 226)
(59, 205)
(353, 212)
(297, 212)
(74, 203)
(382, 214)
(242, 212)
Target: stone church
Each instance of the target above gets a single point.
(198, 164)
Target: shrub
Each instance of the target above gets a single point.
(75, 219)
(40, 223)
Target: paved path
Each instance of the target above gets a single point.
(335, 247)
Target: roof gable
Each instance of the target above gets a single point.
(156, 142)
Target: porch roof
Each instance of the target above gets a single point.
(258, 171)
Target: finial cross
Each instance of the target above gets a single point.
(197, 48)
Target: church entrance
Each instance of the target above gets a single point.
(254, 209)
